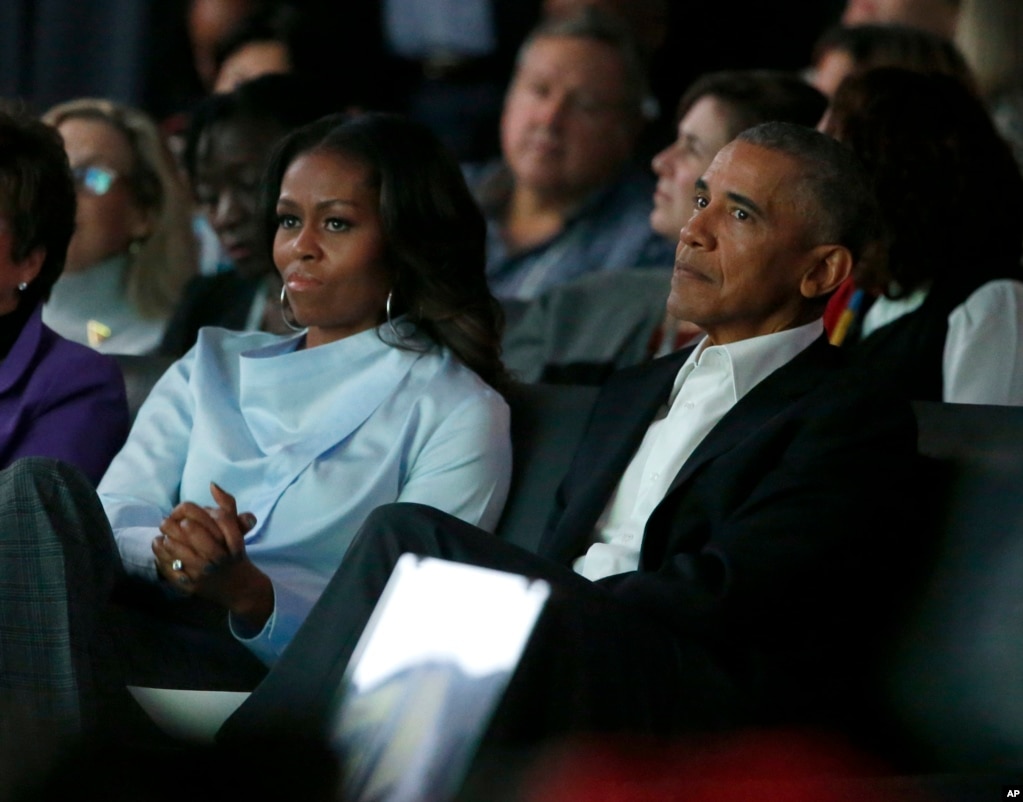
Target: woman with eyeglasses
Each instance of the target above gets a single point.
(57, 398)
(133, 247)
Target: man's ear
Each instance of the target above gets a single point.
(831, 265)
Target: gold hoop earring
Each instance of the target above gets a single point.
(286, 309)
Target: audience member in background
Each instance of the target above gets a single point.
(580, 331)
(937, 16)
(947, 322)
(388, 394)
(844, 51)
(228, 145)
(990, 35)
(57, 398)
(566, 200)
(133, 248)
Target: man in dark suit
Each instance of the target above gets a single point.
(725, 540)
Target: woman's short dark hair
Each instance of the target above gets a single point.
(434, 231)
(751, 97)
(951, 195)
(37, 195)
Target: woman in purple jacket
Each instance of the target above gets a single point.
(57, 398)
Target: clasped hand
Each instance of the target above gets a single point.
(201, 551)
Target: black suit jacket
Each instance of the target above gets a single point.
(781, 540)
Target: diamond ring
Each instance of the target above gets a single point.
(177, 566)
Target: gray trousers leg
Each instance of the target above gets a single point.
(74, 631)
(58, 565)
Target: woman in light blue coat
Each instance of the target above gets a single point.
(256, 457)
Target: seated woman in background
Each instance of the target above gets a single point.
(57, 398)
(226, 150)
(581, 331)
(133, 247)
(939, 313)
(257, 457)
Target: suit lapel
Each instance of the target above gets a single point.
(624, 410)
(771, 397)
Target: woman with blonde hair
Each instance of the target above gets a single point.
(133, 247)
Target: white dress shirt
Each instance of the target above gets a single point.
(983, 359)
(712, 380)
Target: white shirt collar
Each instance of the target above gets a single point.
(750, 361)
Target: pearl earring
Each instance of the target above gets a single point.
(22, 286)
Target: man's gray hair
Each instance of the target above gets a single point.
(842, 203)
(598, 26)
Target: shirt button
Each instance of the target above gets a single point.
(688, 405)
(654, 477)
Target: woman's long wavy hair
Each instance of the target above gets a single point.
(435, 234)
(950, 193)
(166, 259)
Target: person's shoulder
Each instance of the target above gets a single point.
(622, 207)
(631, 190)
(656, 371)
(490, 183)
(451, 381)
(477, 174)
(848, 390)
(80, 361)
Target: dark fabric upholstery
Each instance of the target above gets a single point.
(956, 671)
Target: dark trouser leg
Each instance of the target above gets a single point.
(592, 665)
(66, 651)
(58, 565)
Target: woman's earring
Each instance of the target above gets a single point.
(286, 309)
(390, 320)
(22, 286)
